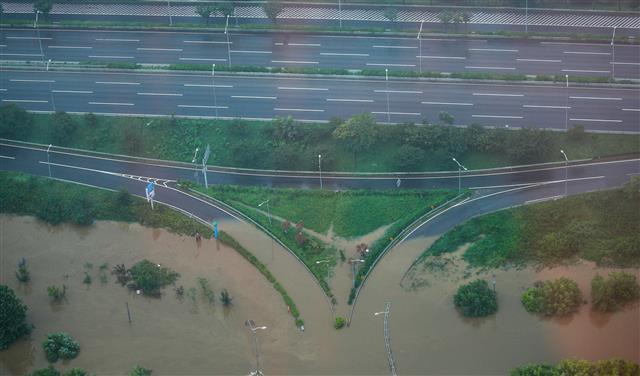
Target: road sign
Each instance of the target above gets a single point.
(215, 229)
(150, 192)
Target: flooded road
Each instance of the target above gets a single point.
(187, 337)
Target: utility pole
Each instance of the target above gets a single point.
(226, 27)
(340, 12)
(566, 105)
(566, 171)
(526, 17)
(459, 174)
(320, 168)
(169, 12)
(613, 54)
(387, 344)
(386, 78)
(420, 45)
(268, 209)
(48, 161)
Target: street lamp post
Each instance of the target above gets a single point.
(213, 85)
(387, 344)
(195, 167)
(251, 325)
(53, 102)
(386, 78)
(48, 160)
(340, 12)
(226, 27)
(35, 22)
(353, 263)
(566, 104)
(613, 54)
(320, 168)
(268, 210)
(526, 17)
(169, 12)
(460, 167)
(566, 171)
(420, 46)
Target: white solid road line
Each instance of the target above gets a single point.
(341, 54)
(72, 91)
(598, 120)
(623, 63)
(442, 57)
(349, 100)
(162, 94)
(397, 113)
(398, 91)
(36, 38)
(399, 47)
(111, 103)
(543, 199)
(200, 59)
(578, 44)
(160, 49)
(539, 106)
(196, 106)
(205, 42)
(205, 85)
(598, 98)
(20, 80)
(72, 47)
(251, 97)
(110, 57)
(20, 54)
(498, 95)
(7, 157)
(631, 109)
(117, 83)
(448, 103)
(585, 71)
(304, 44)
(116, 40)
(502, 68)
(302, 88)
(540, 60)
(250, 52)
(293, 62)
(492, 50)
(586, 53)
(297, 109)
(24, 101)
(498, 116)
(3, 89)
(390, 65)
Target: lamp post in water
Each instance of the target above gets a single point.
(251, 325)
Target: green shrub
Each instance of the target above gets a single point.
(476, 299)
(49, 371)
(57, 293)
(141, 371)
(578, 367)
(615, 292)
(339, 323)
(550, 298)
(15, 122)
(60, 346)
(12, 317)
(76, 372)
(150, 277)
(23, 274)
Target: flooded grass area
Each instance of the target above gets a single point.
(189, 336)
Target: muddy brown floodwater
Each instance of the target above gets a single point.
(185, 337)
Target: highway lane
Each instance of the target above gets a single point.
(350, 52)
(315, 99)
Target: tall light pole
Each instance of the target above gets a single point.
(420, 46)
(526, 17)
(195, 167)
(566, 105)
(566, 171)
(320, 168)
(460, 167)
(251, 325)
(169, 12)
(613, 54)
(48, 161)
(340, 12)
(268, 209)
(226, 27)
(213, 84)
(386, 78)
(387, 344)
(53, 102)
(35, 22)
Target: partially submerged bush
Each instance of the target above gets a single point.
(150, 277)
(60, 345)
(476, 299)
(558, 297)
(615, 292)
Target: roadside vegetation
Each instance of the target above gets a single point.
(24, 194)
(614, 292)
(476, 299)
(60, 346)
(13, 316)
(559, 297)
(599, 227)
(575, 367)
(357, 144)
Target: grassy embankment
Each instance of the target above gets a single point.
(350, 214)
(295, 146)
(601, 227)
(58, 202)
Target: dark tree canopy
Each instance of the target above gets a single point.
(476, 299)
(13, 314)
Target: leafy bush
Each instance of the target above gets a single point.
(14, 122)
(76, 372)
(57, 293)
(60, 345)
(225, 298)
(615, 292)
(339, 323)
(23, 274)
(12, 317)
(150, 277)
(558, 297)
(141, 371)
(476, 299)
(409, 158)
(578, 367)
(49, 371)
(62, 128)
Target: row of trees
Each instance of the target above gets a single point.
(578, 367)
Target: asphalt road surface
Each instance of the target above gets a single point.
(503, 56)
(316, 99)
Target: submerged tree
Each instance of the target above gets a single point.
(13, 314)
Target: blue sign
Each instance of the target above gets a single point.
(150, 187)
(215, 229)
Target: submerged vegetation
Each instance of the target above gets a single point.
(615, 292)
(558, 297)
(576, 367)
(476, 299)
(598, 226)
(60, 346)
(13, 317)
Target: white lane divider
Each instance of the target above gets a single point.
(342, 54)
(498, 116)
(162, 94)
(297, 109)
(24, 101)
(631, 109)
(302, 88)
(442, 57)
(72, 47)
(585, 53)
(159, 49)
(398, 91)
(304, 44)
(200, 59)
(540, 60)
(396, 47)
(497, 68)
(397, 113)
(35, 38)
(197, 106)
(24, 80)
(206, 85)
(251, 97)
(598, 98)
(5, 54)
(111, 104)
(110, 57)
(390, 65)
(250, 52)
(541, 106)
(498, 95)
(205, 42)
(116, 40)
(492, 50)
(585, 71)
(72, 91)
(117, 83)
(448, 103)
(293, 62)
(7, 157)
(598, 120)
(349, 100)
